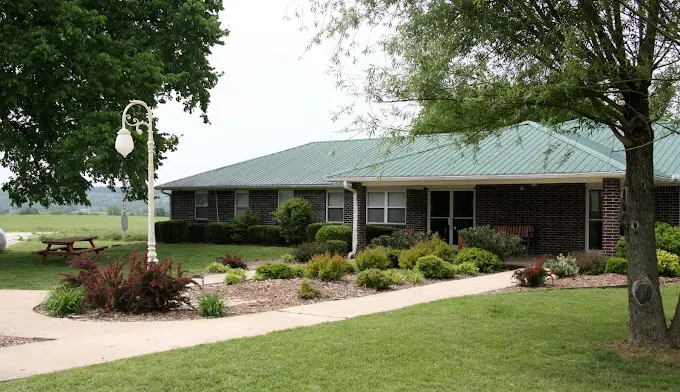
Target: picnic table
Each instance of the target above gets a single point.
(65, 247)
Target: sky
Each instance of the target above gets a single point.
(272, 96)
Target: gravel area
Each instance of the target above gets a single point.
(581, 282)
(6, 341)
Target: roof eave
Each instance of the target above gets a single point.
(231, 187)
(490, 179)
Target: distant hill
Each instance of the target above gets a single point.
(101, 198)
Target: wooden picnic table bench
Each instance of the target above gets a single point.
(65, 247)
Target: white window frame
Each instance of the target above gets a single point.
(291, 191)
(236, 206)
(386, 206)
(196, 205)
(328, 206)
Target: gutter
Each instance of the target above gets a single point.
(355, 218)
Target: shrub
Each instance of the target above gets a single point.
(667, 237)
(373, 258)
(307, 290)
(374, 279)
(232, 260)
(483, 259)
(235, 276)
(616, 265)
(501, 244)
(170, 231)
(327, 267)
(216, 267)
(375, 231)
(265, 235)
(433, 267)
(466, 268)
(413, 276)
(304, 252)
(195, 232)
(312, 228)
(434, 246)
(393, 256)
(562, 266)
(63, 300)
(294, 216)
(337, 247)
(396, 276)
(590, 262)
(352, 266)
(400, 239)
(220, 233)
(534, 275)
(276, 271)
(621, 247)
(288, 258)
(240, 226)
(210, 305)
(668, 263)
(335, 232)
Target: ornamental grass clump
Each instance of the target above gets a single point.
(466, 268)
(64, 300)
(307, 290)
(210, 305)
(413, 276)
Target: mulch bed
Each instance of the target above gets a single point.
(6, 341)
(582, 282)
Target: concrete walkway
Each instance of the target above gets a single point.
(81, 343)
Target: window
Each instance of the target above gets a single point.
(285, 195)
(386, 207)
(240, 203)
(335, 207)
(595, 219)
(201, 201)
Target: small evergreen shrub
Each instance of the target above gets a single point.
(352, 266)
(335, 232)
(232, 260)
(221, 233)
(616, 265)
(216, 267)
(63, 300)
(400, 239)
(235, 276)
(307, 290)
(240, 227)
(393, 256)
(373, 258)
(532, 276)
(484, 260)
(337, 247)
(501, 244)
(396, 276)
(195, 232)
(374, 279)
(667, 237)
(327, 267)
(288, 258)
(562, 265)
(269, 235)
(210, 305)
(413, 276)
(434, 246)
(276, 271)
(668, 263)
(621, 247)
(590, 262)
(313, 228)
(375, 231)
(294, 216)
(170, 231)
(433, 267)
(466, 268)
(304, 252)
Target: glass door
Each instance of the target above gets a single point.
(463, 212)
(440, 214)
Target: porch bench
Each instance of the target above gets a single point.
(525, 232)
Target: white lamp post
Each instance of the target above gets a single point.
(124, 146)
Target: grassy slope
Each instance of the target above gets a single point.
(531, 341)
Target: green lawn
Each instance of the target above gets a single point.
(530, 341)
(20, 269)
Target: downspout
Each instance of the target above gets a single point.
(217, 207)
(355, 218)
(169, 195)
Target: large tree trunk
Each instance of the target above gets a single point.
(647, 323)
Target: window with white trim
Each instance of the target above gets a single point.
(386, 207)
(240, 202)
(201, 202)
(335, 207)
(285, 194)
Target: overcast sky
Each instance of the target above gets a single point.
(268, 99)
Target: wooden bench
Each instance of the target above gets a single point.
(65, 247)
(526, 232)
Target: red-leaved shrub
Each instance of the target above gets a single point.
(146, 287)
(534, 275)
(233, 261)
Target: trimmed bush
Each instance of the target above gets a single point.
(434, 246)
(220, 233)
(327, 267)
(621, 247)
(304, 252)
(562, 265)
(484, 260)
(63, 300)
(533, 276)
(307, 290)
(616, 265)
(235, 276)
(668, 263)
(433, 267)
(195, 232)
(501, 244)
(467, 268)
(400, 239)
(210, 305)
(232, 260)
(667, 237)
(276, 271)
(216, 267)
(374, 279)
(413, 276)
(590, 262)
(312, 228)
(170, 231)
(294, 216)
(265, 235)
(393, 256)
(373, 258)
(337, 247)
(335, 232)
(375, 231)
(240, 227)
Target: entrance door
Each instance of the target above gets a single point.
(440, 214)
(463, 212)
(451, 211)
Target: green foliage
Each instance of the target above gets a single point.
(170, 231)
(621, 247)
(113, 210)
(195, 232)
(466, 268)
(304, 252)
(502, 244)
(313, 228)
(240, 226)
(413, 276)
(337, 246)
(375, 231)
(276, 271)
(307, 290)
(668, 263)
(373, 258)
(335, 232)
(63, 300)
(668, 237)
(327, 267)
(393, 256)
(434, 246)
(400, 239)
(210, 305)
(616, 265)
(79, 71)
(590, 262)
(265, 235)
(235, 276)
(433, 267)
(221, 233)
(28, 210)
(374, 279)
(562, 265)
(294, 216)
(396, 276)
(216, 267)
(483, 259)
(288, 258)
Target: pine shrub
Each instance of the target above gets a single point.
(327, 267)
(373, 258)
(307, 290)
(374, 279)
(276, 271)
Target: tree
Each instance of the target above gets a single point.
(67, 70)
(293, 216)
(470, 67)
(160, 211)
(113, 210)
(29, 211)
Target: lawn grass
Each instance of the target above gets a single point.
(528, 341)
(20, 269)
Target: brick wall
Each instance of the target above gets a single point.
(556, 210)
(667, 204)
(348, 208)
(361, 215)
(318, 200)
(416, 209)
(263, 203)
(182, 205)
(611, 214)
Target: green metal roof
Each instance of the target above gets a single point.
(526, 149)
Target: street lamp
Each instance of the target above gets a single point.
(124, 146)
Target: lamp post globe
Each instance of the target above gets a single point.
(124, 143)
